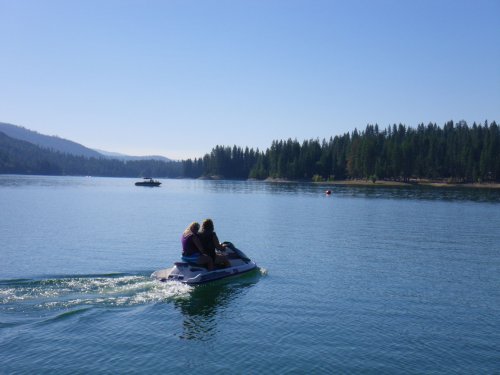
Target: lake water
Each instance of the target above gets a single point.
(367, 280)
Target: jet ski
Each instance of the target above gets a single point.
(191, 273)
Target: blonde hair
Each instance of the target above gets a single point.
(194, 226)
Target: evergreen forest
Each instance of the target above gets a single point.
(455, 152)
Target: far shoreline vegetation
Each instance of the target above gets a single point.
(371, 182)
(422, 182)
(452, 155)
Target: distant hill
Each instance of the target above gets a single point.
(116, 155)
(67, 147)
(22, 157)
(49, 142)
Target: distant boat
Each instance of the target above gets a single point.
(148, 181)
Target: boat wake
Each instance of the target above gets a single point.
(80, 291)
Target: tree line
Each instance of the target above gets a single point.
(456, 152)
(21, 157)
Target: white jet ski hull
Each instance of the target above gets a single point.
(189, 273)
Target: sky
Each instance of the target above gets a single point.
(178, 77)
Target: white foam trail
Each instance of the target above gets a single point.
(118, 291)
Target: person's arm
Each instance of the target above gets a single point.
(217, 244)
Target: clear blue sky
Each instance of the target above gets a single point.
(177, 77)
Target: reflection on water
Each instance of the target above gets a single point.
(203, 307)
(57, 298)
(417, 192)
(420, 193)
(49, 181)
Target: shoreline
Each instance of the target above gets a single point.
(356, 182)
(437, 184)
(389, 183)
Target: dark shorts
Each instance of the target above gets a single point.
(191, 258)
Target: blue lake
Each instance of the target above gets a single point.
(367, 280)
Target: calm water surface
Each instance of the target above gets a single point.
(368, 280)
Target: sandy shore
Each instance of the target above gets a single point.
(413, 183)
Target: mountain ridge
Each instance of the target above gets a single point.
(46, 141)
(67, 146)
(22, 157)
(120, 156)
